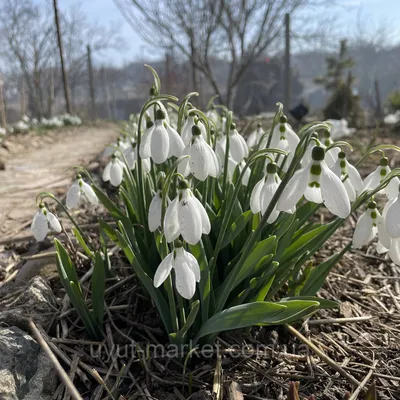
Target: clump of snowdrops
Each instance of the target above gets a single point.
(219, 232)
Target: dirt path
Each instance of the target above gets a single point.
(42, 166)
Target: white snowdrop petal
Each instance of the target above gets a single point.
(163, 270)
(190, 222)
(394, 251)
(146, 165)
(187, 130)
(155, 213)
(384, 237)
(392, 219)
(255, 197)
(39, 226)
(159, 145)
(184, 167)
(291, 137)
(73, 195)
(247, 173)
(54, 222)
(336, 169)
(106, 172)
(185, 280)
(90, 194)
(334, 193)
(268, 192)
(372, 180)
(129, 155)
(313, 194)
(354, 177)
(116, 173)
(237, 147)
(294, 189)
(392, 189)
(380, 248)
(205, 221)
(176, 144)
(171, 222)
(213, 167)
(199, 162)
(351, 192)
(145, 150)
(193, 264)
(362, 233)
(273, 216)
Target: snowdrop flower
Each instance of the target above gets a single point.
(284, 138)
(44, 220)
(330, 155)
(155, 212)
(318, 184)
(114, 171)
(187, 129)
(161, 141)
(186, 216)
(130, 155)
(237, 145)
(80, 190)
(340, 128)
(187, 271)
(255, 137)
(111, 149)
(391, 214)
(202, 161)
(373, 180)
(353, 183)
(264, 191)
(368, 226)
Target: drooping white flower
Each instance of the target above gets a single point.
(202, 161)
(373, 180)
(353, 183)
(318, 184)
(368, 226)
(80, 190)
(264, 191)
(187, 129)
(330, 155)
(44, 220)
(111, 149)
(131, 156)
(187, 271)
(255, 137)
(186, 216)
(391, 214)
(284, 138)
(213, 114)
(161, 141)
(114, 171)
(237, 145)
(155, 212)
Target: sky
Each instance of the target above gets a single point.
(106, 13)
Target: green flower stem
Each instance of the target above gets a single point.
(227, 146)
(172, 305)
(181, 310)
(379, 148)
(182, 110)
(275, 122)
(43, 195)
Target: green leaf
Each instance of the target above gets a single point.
(240, 317)
(98, 288)
(178, 337)
(318, 274)
(110, 232)
(295, 310)
(66, 263)
(115, 211)
(286, 239)
(157, 81)
(323, 303)
(234, 230)
(82, 242)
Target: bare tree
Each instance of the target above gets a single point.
(207, 30)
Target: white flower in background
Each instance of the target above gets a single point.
(264, 191)
(155, 212)
(114, 171)
(111, 149)
(392, 119)
(340, 128)
(368, 226)
(187, 271)
(131, 156)
(353, 182)
(186, 216)
(80, 190)
(2, 131)
(255, 137)
(237, 145)
(330, 155)
(202, 161)
(26, 119)
(213, 114)
(161, 141)
(318, 184)
(187, 129)
(373, 180)
(284, 138)
(391, 214)
(42, 222)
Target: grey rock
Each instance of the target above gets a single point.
(25, 371)
(35, 300)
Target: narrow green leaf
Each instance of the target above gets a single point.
(66, 263)
(179, 336)
(82, 242)
(115, 211)
(240, 317)
(295, 310)
(323, 303)
(234, 230)
(98, 288)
